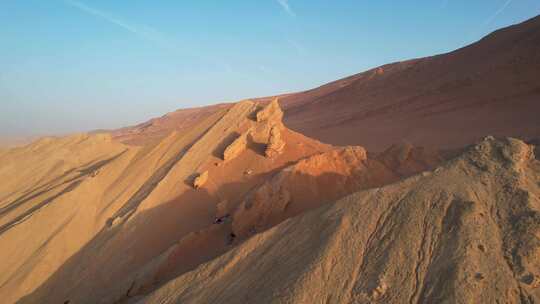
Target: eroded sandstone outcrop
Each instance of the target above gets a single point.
(265, 131)
(238, 146)
(264, 206)
(275, 144)
(271, 112)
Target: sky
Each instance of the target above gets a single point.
(78, 65)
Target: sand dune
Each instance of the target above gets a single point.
(147, 224)
(152, 131)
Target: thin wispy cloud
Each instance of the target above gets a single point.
(487, 22)
(497, 13)
(147, 33)
(286, 7)
(143, 31)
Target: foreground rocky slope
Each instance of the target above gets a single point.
(465, 233)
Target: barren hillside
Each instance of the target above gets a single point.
(443, 101)
(449, 100)
(104, 222)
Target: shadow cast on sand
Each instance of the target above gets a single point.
(227, 141)
(186, 222)
(70, 185)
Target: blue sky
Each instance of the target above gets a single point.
(71, 65)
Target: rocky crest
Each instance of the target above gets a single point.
(272, 112)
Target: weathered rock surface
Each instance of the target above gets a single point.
(238, 146)
(200, 180)
(272, 112)
(314, 181)
(275, 144)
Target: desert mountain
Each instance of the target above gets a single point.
(466, 232)
(444, 101)
(231, 204)
(104, 222)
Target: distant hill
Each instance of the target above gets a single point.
(14, 141)
(443, 101)
(449, 100)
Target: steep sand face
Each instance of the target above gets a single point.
(58, 194)
(152, 131)
(464, 233)
(48, 206)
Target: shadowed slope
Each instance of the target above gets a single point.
(86, 178)
(464, 233)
